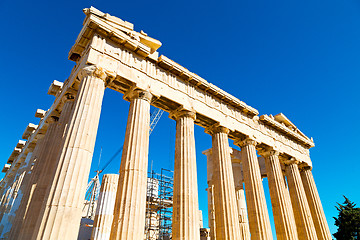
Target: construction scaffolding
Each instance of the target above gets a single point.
(159, 205)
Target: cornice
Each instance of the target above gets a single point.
(181, 112)
(217, 128)
(287, 131)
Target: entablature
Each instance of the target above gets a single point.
(271, 121)
(116, 29)
(32, 133)
(174, 86)
(204, 85)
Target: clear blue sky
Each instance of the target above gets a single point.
(300, 58)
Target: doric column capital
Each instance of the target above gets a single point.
(245, 142)
(53, 119)
(291, 161)
(93, 70)
(181, 112)
(137, 93)
(216, 128)
(304, 167)
(69, 96)
(268, 152)
(31, 147)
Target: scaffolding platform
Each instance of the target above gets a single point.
(159, 205)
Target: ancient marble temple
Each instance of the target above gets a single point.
(43, 191)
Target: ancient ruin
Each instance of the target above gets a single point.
(43, 191)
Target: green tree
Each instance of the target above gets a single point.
(348, 221)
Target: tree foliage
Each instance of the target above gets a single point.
(348, 221)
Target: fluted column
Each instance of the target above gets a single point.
(7, 196)
(240, 200)
(64, 199)
(211, 211)
(281, 205)
(30, 180)
(7, 218)
(24, 230)
(210, 189)
(243, 219)
(8, 221)
(185, 221)
(105, 208)
(130, 205)
(48, 162)
(10, 180)
(10, 197)
(3, 186)
(255, 197)
(226, 213)
(303, 220)
(317, 212)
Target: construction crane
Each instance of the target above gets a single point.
(93, 187)
(154, 119)
(92, 194)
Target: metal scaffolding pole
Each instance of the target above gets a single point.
(159, 205)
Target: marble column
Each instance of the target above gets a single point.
(105, 208)
(3, 187)
(210, 189)
(240, 200)
(10, 181)
(130, 204)
(185, 221)
(255, 197)
(30, 180)
(303, 220)
(243, 219)
(211, 211)
(7, 195)
(282, 210)
(63, 202)
(15, 189)
(47, 167)
(10, 194)
(317, 212)
(226, 212)
(8, 221)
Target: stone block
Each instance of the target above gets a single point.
(6, 168)
(40, 113)
(14, 154)
(55, 87)
(30, 129)
(20, 144)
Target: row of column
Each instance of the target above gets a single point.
(56, 192)
(307, 221)
(12, 203)
(129, 214)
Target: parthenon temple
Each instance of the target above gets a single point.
(46, 175)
